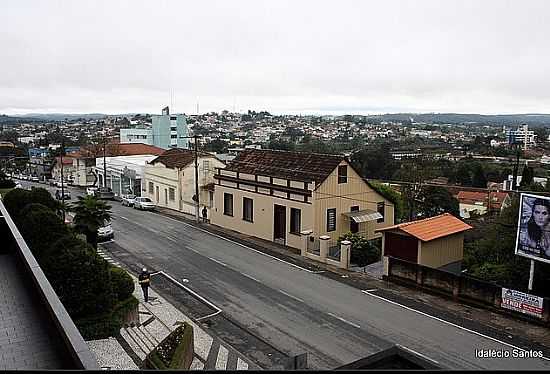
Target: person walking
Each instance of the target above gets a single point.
(145, 280)
(204, 214)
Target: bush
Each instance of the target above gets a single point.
(15, 201)
(40, 227)
(6, 182)
(107, 324)
(42, 196)
(363, 251)
(80, 277)
(123, 285)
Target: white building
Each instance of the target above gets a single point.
(136, 135)
(124, 173)
(170, 179)
(522, 136)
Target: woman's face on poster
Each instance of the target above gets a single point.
(541, 215)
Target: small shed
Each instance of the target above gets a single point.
(436, 242)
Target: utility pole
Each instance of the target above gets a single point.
(516, 167)
(197, 177)
(104, 154)
(62, 188)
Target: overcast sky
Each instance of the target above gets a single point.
(281, 56)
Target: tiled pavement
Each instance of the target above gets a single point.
(25, 341)
(157, 319)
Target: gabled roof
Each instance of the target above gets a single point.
(299, 166)
(178, 157)
(471, 197)
(120, 149)
(431, 228)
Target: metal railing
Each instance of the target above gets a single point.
(334, 251)
(313, 246)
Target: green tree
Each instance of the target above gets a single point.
(478, 177)
(123, 285)
(527, 176)
(437, 200)
(375, 163)
(463, 174)
(91, 214)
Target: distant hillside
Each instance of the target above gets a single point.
(62, 116)
(9, 120)
(480, 119)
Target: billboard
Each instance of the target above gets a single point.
(533, 236)
(522, 302)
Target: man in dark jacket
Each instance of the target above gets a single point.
(145, 280)
(204, 213)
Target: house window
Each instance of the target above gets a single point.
(342, 174)
(380, 209)
(172, 194)
(295, 220)
(331, 219)
(151, 188)
(248, 208)
(173, 129)
(173, 136)
(228, 204)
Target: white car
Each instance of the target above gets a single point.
(128, 200)
(105, 233)
(143, 203)
(91, 191)
(35, 179)
(58, 184)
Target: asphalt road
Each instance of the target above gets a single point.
(297, 310)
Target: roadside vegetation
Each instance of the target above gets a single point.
(96, 295)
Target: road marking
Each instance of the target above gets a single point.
(191, 291)
(241, 365)
(344, 320)
(372, 290)
(221, 360)
(251, 277)
(237, 243)
(447, 322)
(218, 261)
(417, 353)
(293, 297)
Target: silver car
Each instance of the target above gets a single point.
(143, 203)
(128, 200)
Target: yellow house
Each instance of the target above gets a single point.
(279, 195)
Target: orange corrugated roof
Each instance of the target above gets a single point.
(432, 228)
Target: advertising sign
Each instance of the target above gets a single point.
(522, 302)
(533, 235)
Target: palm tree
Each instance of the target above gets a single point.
(91, 214)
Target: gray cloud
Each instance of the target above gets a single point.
(114, 56)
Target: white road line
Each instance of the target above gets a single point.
(293, 297)
(372, 290)
(344, 320)
(237, 243)
(190, 291)
(251, 277)
(417, 353)
(241, 365)
(447, 322)
(218, 261)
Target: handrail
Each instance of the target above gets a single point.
(72, 339)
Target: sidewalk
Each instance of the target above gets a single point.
(157, 319)
(500, 326)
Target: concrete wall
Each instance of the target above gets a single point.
(356, 192)
(440, 252)
(263, 211)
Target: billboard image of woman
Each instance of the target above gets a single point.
(533, 238)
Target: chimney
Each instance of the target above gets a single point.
(165, 111)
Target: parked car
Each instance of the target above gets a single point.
(105, 232)
(18, 185)
(91, 190)
(143, 203)
(66, 194)
(104, 193)
(128, 200)
(34, 178)
(58, 183)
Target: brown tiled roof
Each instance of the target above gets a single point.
(285, 165)
(471, 197)
(178, 157)
(431, 228)
(121, 149)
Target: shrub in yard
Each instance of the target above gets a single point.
(42, 196)
(15, 201)
(123, 285)
(363, 251)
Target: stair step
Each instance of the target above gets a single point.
(148, 321)
(142, 340)
(157, 330)
(151, 342)
(134, 345)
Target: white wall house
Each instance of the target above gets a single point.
(124, 173)
(170, 179)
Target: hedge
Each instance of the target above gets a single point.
(123, 285)
(106, 325)
(175, 352)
